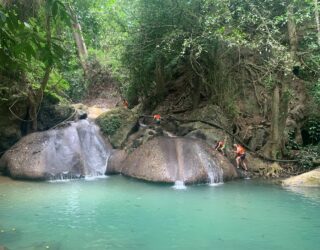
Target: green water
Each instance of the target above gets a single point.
(121, 213)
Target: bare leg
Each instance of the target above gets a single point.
(238, 161)
(244, 165)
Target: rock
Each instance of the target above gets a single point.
(209, 113)
(261, 168)
(115, 161)
(258, 139)
(10, 126)
(203, 131)
(51, 115)
(309, 179)
(118, 124)
(165, 159)
(3, 248)
(72, 151)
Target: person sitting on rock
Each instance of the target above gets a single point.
(157, 118)
(220, 146)
(240, 156)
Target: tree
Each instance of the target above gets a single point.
(78, 38)
(28, 45)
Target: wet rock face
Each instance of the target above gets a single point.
(73, 151)
(309, 179)
(165, 159)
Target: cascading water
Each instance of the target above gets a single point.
(215, 173)
(179, 185)
(77, 151)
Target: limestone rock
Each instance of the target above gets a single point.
(309, 179)
(72, 151)
(165, 159)
(115, 161)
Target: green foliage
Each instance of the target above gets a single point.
(316, 91)
(28, 46)
(110, 124)
(307, 155)
(312, 127)
(292, 144)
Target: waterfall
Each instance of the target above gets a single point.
(75, 151)
(215, 173)
(179, 185)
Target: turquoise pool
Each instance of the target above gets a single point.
(121, 213)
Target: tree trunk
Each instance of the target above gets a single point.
(78, 38)
(271, 149)
(292, 32)
(280, 102)
(316, 12)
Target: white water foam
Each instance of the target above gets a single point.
(179, 185)
(96, 177)
(216, 184)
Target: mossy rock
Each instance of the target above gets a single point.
(117, 124)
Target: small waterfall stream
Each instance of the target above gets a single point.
(179, 184)
(215, 173)
(77, 151)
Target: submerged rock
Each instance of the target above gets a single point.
(165, 159)
(73, 151)
(309, 179)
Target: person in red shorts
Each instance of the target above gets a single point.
(240, 156)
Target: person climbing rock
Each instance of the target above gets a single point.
(240, 156)
(125, 103)
(157, 118)
(220, 146)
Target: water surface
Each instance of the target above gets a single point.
(121, 213)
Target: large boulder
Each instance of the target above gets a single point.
(309, 179)
(115, 160)
(51, 115)
(165, 159)
(117, 124)
(72, 151)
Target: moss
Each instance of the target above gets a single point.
(117, 124)
(109, 124)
